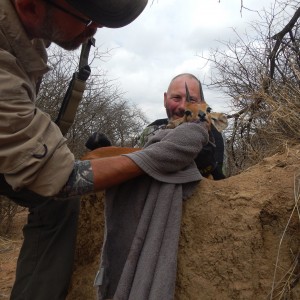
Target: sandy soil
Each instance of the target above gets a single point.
(9, 250)
(239, 239)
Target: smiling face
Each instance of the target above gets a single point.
(175, 98)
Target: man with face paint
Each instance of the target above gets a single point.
(210, 159)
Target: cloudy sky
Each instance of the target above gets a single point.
(166, 40)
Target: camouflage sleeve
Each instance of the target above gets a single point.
(80, 181)
(147, 133)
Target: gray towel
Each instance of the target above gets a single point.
(143, 217)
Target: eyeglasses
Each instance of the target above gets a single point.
(83, 20)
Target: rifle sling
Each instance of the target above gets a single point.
(75, 90)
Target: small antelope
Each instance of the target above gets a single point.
(200, 111)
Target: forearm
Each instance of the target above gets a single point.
(175, 150)
(113, 170)
(99, 174)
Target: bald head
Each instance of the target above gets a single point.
(175, 98)
(190, 77)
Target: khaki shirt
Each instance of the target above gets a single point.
(33, 152)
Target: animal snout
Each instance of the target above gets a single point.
(202, 116)
(187, 113)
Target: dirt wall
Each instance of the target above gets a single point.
(230, 237)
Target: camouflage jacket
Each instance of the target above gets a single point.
(150, 131)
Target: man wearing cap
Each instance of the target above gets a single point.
(37, 170)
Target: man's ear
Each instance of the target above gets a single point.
(31, 12)
(165, 99)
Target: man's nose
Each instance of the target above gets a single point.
(182, 105)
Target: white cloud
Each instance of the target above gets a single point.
(165, 41)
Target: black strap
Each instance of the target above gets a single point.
(75, 90)
(23, 197)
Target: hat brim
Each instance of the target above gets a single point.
(110, 13)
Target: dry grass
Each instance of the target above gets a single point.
(6, 244)
(281, 289)
(266, 127)
(10, 245)
(8, 210)
(9, 250)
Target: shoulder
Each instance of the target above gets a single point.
(150, 131)
(159, 122)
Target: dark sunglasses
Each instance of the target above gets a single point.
(83, 20)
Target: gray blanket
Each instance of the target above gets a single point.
(143, 217)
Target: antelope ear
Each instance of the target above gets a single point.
(219, 120)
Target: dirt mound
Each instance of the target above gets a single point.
(239, 239)
(231, 233)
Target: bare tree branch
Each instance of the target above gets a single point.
(103, 107)
(265, 110)
(279, 37)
